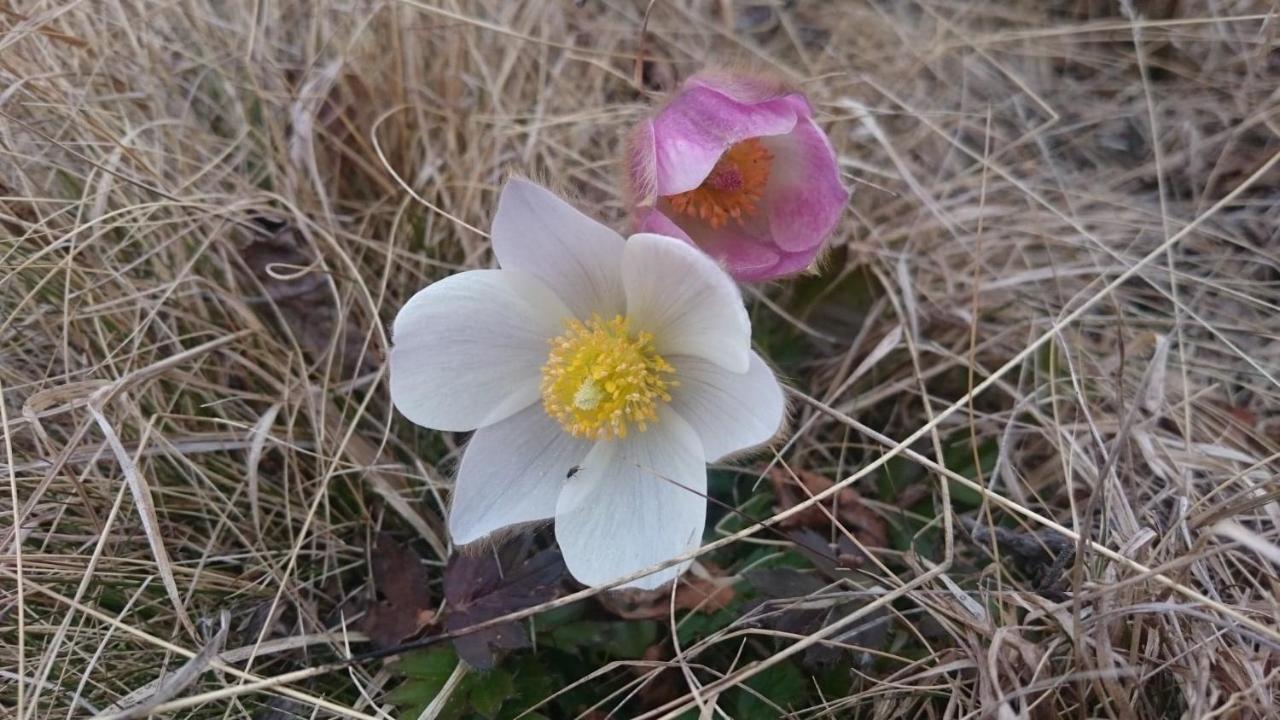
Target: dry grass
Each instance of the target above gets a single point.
(1055, 304)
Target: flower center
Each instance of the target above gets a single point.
(732, 189)
(600, 380)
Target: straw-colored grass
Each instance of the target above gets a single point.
(1053, 308)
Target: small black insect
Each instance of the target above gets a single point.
(572, 471)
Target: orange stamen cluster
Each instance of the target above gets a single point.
(733, 187)
(599, 379)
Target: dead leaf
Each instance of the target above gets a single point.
(801, 603)
(658, 75)
(705, 593)
(664, 686)
(492, 583)
(340, 113)
(401, 580)
(784, 582)
(835, 560)
(1041, 556)
(846, 506)
(301, 297)
(1239, 415)
(912, 495)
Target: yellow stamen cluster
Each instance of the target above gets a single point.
(733, 187)
(599, 379)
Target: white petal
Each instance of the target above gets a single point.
(512, 473)
(468, 350)
(635, 503)
(729, 411)
(686, 300)
(575, 256)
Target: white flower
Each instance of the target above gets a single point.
(600, 377)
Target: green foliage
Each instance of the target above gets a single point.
(478, 694)
(615, 639)
(489, 691)
(959, 457)
(895, 475)
(566, 644)
(696, 626)
(784, 685)
(429, 665)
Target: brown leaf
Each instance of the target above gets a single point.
(342, 114)
(700, 594)
(401, 580)
(337, 119)
(912, 495)
(846, 506)
(1243, 416)
(300, 296)
(835, 560)
(667, 684)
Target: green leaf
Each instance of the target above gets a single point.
(534, 679)
(413, 691)
(897, 474)
(783, 684)
(629, 640)
(413, 712)
(754, 508)
(426, 673)
(545, 621)
(434, 664)
(489, 690)
(960, 458)
(572, 636)
(616, 639)
(695, 626)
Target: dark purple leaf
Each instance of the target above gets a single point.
(791, 609)
(835, 562)
(784, 582)
(493, 583)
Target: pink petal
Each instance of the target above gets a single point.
(788, 264)
(690, 134)
(652, 220)
(676, 150)
(804, 197)
(749, 89)
(745, 252)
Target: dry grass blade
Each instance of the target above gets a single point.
(1048, 320)
(174, 683)
(142, 499)
(279, 684)
(1249, 539)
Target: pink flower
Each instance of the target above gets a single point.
(736, 166)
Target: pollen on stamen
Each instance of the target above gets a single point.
(733, 187)
(600, 381)
(588, 396)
